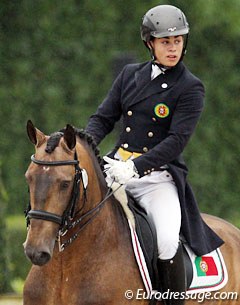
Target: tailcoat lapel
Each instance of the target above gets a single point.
(143, 77)
(145, 87)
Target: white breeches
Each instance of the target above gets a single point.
(157, 194)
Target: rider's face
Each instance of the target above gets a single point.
(168, 50)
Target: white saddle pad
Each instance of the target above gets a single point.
(209, 271)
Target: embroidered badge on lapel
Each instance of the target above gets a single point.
(161, 110)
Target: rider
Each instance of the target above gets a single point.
(160, 102)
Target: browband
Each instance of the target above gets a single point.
(53, 163)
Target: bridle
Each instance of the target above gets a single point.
(68, 213)
(66, 221)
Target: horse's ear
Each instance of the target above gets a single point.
(69, 136)
(35, 136)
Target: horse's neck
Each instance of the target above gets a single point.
(109, 222)
(111, 218)
(108, 229)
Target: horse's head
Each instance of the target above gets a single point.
(53, 178)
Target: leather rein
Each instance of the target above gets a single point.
(66, 221)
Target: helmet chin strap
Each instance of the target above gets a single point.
(153, 57)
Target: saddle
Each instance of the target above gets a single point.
(147, 237)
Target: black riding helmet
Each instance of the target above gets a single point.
(164, 21)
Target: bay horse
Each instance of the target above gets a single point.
(78, 237)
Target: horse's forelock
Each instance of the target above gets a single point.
(53, 141)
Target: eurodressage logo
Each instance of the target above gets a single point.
(161, 110)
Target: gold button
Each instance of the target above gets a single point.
(150, 134)
(154, 119)
(125, 145)
(128, 129)
(149, 171)
(145, 149)
(129, 113)
(145, 173)
(153, 169)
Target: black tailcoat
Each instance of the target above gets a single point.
(159, 116)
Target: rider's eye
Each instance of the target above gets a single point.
(64, 185)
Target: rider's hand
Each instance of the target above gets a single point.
(120, 171)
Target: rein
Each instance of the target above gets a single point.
(66, 220)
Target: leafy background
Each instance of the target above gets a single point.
(57, 62)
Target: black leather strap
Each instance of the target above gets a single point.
(53, 163)
(39, 214)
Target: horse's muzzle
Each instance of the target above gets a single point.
(37, 257)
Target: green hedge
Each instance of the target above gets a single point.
(4, 274)
(18, 265)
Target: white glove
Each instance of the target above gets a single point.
(120, 171)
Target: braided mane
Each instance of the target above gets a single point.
(55, 137)
(82, 134)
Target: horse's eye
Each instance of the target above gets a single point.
(64, 185)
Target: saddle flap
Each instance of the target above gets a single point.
(147, 238)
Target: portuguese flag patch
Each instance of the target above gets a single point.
(205, 266)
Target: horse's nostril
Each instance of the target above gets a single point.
(43, 258)
(38, 257)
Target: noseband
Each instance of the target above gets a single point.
(68, 214)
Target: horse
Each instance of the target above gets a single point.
(78, 237)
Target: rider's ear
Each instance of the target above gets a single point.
(69, 136)
(35, 136)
